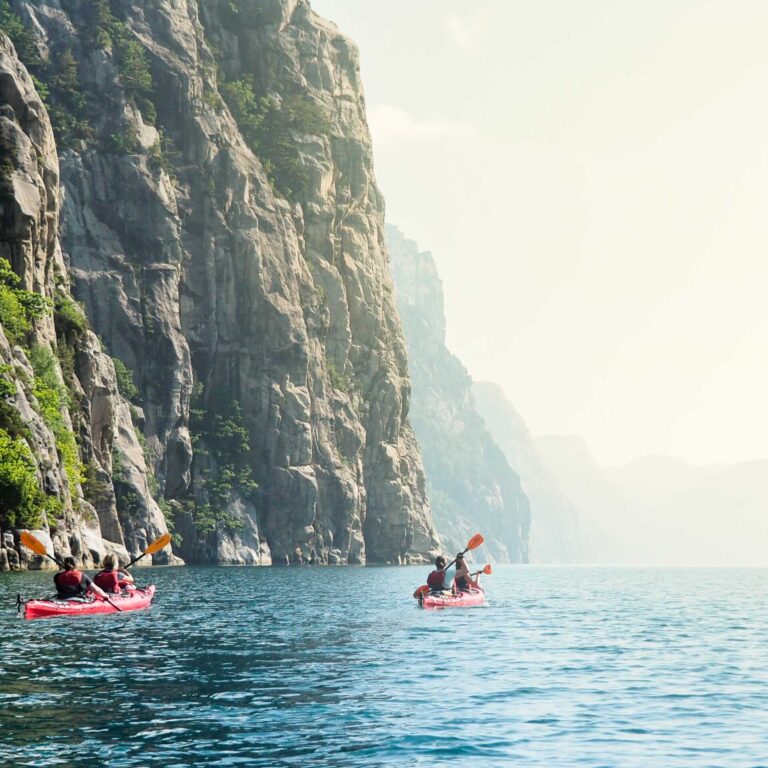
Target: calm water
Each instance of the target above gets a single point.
(336, 667)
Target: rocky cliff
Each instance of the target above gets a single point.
(555, 534)
(64, 427)
(222, 227)
(470, 482)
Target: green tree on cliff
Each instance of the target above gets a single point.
(272, 128)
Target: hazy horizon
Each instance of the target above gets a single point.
(592, 180)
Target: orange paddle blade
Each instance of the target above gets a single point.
(475, 541)
(421, 591)
(158, 544)
(29, 541)
(487, 570)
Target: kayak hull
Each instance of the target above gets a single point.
(471, 599)
(132, 601)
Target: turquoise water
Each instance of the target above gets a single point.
(336, 667)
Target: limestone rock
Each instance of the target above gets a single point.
(236, 299)
(57, 348)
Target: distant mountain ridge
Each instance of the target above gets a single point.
(658, 510)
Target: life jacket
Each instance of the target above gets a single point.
(435, 580)
(109, 581)
(69, 583)
(461, 583)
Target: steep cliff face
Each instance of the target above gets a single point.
(223, 229)
(554, 518)
(471, 485)
(63, 424)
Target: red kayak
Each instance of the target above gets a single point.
(134, 600)
(475, 597)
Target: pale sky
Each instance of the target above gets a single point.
(592, 179)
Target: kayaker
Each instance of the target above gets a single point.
(110, 579)
(435, 579)
(441, 578)
(74, 583)
(463, 578)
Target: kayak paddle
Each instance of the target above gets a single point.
(485, 569)
(155, 546)
(423, 590)
(473, 543)
(37, 546)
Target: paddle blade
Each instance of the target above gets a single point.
(29, 541)
(421, 591)
(487, 570)
(158, 544)
(475, 541)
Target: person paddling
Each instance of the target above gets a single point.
(463, 577)
(110, 579)
(441, 578)
(72, 582)
(435, 579)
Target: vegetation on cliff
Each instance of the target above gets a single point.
(57, 77)
(222, 453)
(271, 126)
(52, 401)
(18, 307)
(125, 383)
(22, 500)
(57, 80)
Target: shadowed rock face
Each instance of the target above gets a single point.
(222, 297)
(471, 484)
(74, 519)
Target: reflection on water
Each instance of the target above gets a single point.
(337, 667)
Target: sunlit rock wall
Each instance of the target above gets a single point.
(233, 300)
(63, 423)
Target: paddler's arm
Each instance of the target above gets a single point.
(467, 575)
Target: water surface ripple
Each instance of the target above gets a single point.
(567, 666)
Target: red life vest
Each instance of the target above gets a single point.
(435, 579)
(109, 581)
(69, 583)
